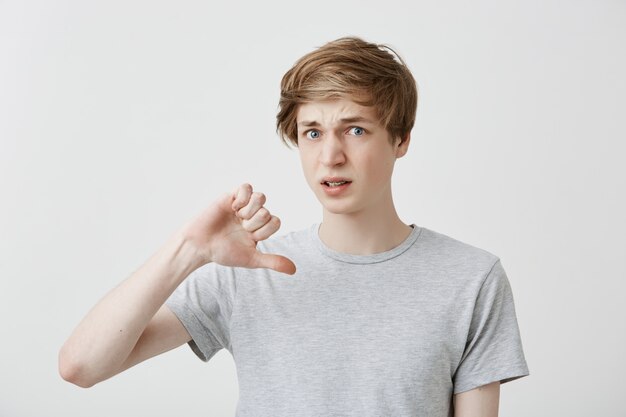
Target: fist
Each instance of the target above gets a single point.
(227, 231)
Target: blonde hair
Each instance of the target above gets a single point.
(367, 73)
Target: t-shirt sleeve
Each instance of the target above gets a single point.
(493, 351)
(203, 303)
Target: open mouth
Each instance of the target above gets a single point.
(331, 184)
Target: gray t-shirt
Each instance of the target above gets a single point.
(395, 333)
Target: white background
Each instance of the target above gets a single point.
(120, 120)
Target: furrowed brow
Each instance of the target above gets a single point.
(356, 119)
(345, 120)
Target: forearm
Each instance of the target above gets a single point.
(106, 336)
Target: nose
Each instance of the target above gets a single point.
(332, 152)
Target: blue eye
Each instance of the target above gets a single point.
(357, 131)
(312, 134)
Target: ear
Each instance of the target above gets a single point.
(403, 147)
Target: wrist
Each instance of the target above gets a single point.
(183, 255)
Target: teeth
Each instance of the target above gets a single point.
(334, 184)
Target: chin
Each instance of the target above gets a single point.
(338, 207)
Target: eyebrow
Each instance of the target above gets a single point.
(345, 120)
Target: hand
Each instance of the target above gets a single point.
(227, 231)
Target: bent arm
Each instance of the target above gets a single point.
(479, 402)
(131, 323)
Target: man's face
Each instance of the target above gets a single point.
(339, 138)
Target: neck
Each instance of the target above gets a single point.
(377, 229)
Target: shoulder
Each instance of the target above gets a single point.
(451, 253)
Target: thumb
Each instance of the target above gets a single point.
(276, 262)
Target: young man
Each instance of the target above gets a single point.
(380, 318)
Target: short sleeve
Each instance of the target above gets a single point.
(203, 303)
(493, 351)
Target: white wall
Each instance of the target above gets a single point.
(119, 120)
